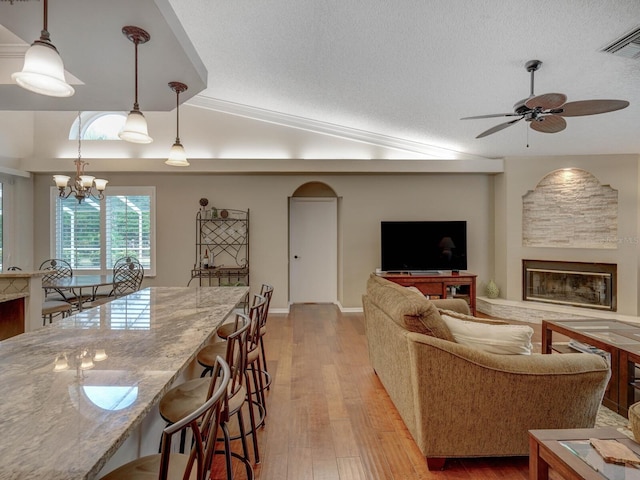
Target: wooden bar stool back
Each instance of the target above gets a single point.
(203, 425)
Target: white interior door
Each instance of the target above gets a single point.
(313, 250)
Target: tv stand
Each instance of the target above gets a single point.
(444, 284)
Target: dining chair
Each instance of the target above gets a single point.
(57, 268)
(179, 399)
(127, 278)
(52, 308)
(202, 422)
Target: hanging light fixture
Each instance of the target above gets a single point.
(82, 186)
(135, 128)
(43, 70)
(177, 155)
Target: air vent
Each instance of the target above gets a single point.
(627, 46)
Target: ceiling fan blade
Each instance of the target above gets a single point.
(499, 127)
(592, 107)
(494, 115)
(546, 101)
(549, 124)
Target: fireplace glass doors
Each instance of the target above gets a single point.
(577, 284)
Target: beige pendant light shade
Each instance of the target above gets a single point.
(135, 128)
(177, 155)
(43, 70)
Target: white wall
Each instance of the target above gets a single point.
(522, 174)
(365, 200)
(18, 221)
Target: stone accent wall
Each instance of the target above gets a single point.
(569, 208)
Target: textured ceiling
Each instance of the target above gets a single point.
(397, 73)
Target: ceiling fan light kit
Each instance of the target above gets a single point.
(545, 112)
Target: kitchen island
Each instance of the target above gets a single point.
(73, 392)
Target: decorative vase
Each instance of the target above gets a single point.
(492, 289)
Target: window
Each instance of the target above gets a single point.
(93, 234)
(99, 125)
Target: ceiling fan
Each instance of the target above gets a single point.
(545, 112)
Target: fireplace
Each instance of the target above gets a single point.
(577, 284)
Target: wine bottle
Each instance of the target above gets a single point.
(205, 259)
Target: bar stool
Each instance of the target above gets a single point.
(205, 357)
(178, 400)
(203, 421)
(224, 330)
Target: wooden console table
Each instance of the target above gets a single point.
(440, 285)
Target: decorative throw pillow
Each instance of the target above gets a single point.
(504, 339)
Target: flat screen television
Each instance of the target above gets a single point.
(423, 246)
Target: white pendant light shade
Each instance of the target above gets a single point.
(101, 184)
(61, 180)
(43, 72)
(177, 156)
(135, 128)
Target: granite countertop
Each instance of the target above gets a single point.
(21, 274)
(6, 297)
(66, 424)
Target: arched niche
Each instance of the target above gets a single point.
(314, 189)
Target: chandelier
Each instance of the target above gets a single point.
(83, 185)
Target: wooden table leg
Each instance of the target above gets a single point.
(538, 468)
(546, 338)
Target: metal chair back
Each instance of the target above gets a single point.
(127, 278)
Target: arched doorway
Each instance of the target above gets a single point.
(313, 244)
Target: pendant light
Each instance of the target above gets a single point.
(135, 128)
(43, 70)
(177, 155)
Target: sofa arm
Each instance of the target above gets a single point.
(455, 304)
(536, 364)
(472, 403)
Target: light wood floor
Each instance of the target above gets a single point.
(329, 418)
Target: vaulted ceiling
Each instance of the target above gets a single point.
(395, 75)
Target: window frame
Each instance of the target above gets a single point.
(109, 192)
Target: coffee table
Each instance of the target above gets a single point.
(569, 453)
(621, 341)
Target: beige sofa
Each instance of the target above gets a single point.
(458, 401)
